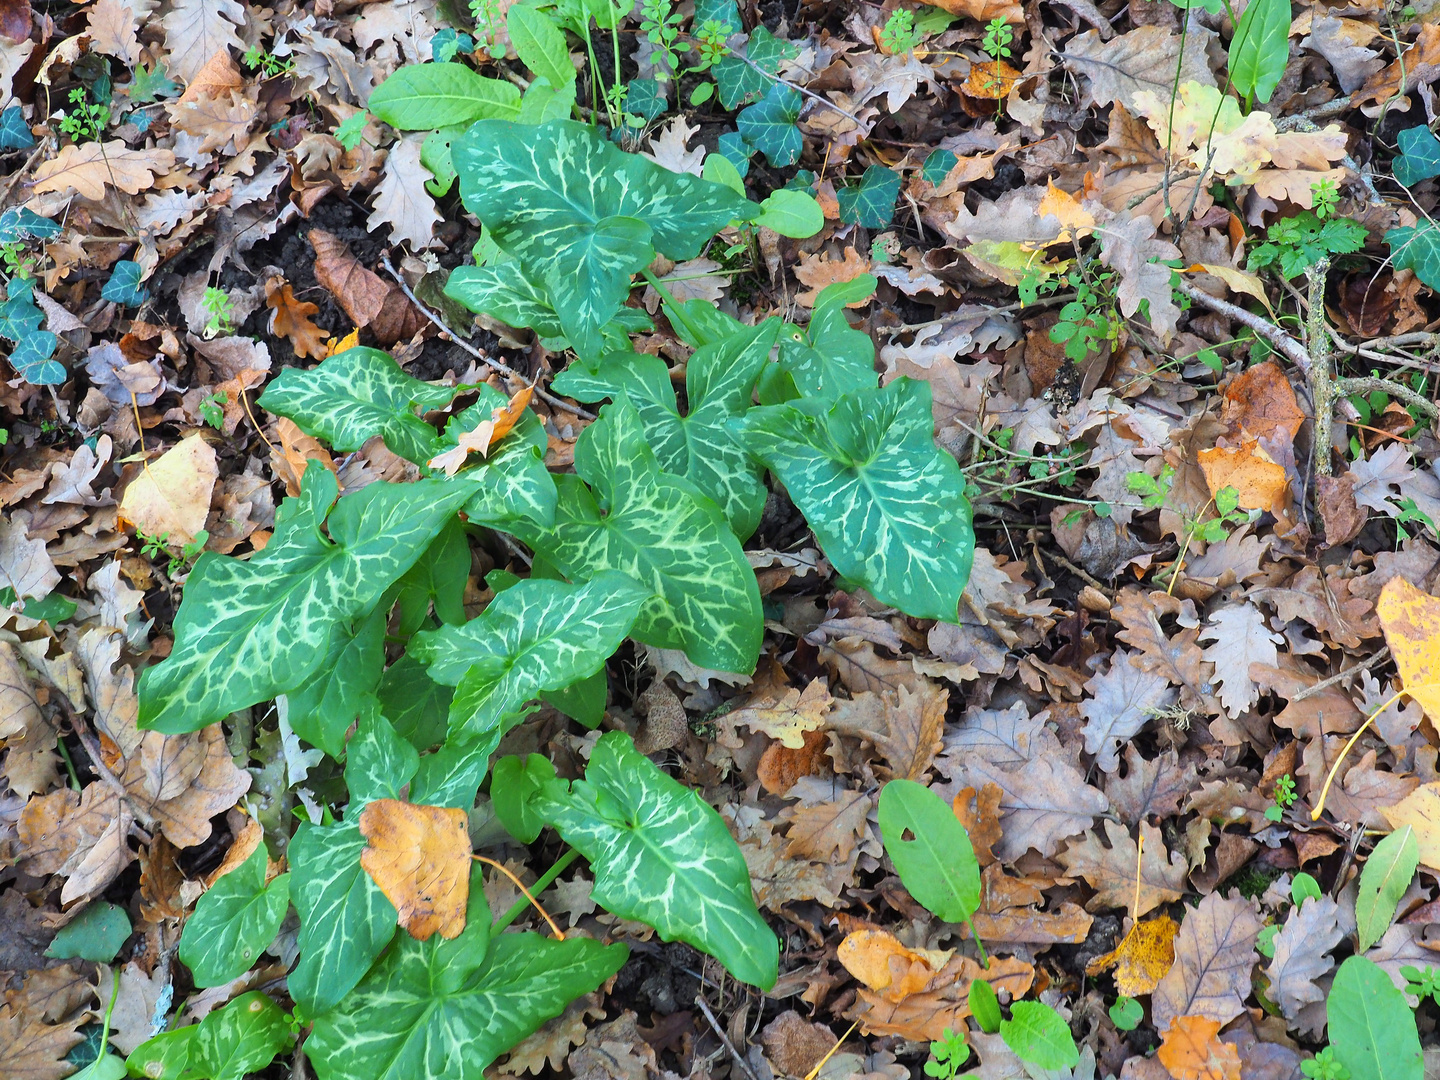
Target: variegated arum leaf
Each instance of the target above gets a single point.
(450, 1008)
(357, 394)
(887, 506)
(582, 215)
(345, 920)
(512, 482)
(535, 636)
(438, 578)
(233, 922)
(504, 291)
(662, 531)
(662, 855)
(250, 629)
(769, 125)
(699, 446)
(418, 97)
(242, 1038)
(829, 358)
(378, 762)
(323, 707)
(414, 703)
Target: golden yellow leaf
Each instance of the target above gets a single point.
(1421, 811)
(881, 962)
(1142, 958)
(1236, 281)
(1075, 220)
(486, 434)
(1260, 482)
(1192, 1050)
(339, 345)
(171, 497)
(1411, 621)
(419, 856)
(991, 80)
(789, 718)
(89, 168)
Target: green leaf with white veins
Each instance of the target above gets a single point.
(662, 855)
(505, 292)
(512, 483)
(450, 1008)
(769, 125)
(663, 532)
(719, 379)
(887, 506)
(250, 629)
(378, 763)
(419, 97)
(324, 706)
(242, 1038)
(345, 920)
(233, 922)
(829, 357)
(357, 394)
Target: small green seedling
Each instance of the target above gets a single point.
(947, 1055)
(998, 37)
(211, 409)
(1284, 798)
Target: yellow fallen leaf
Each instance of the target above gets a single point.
(991, 80)
(1075, 220)
(1142, 958)
(1009, 261)
(1259, 482)
(485, 434)
(1235, 280)
(419, 856)
(338, 345)
(1411, 621)
(171, 496)
(1192, 1050)
(791, 717)
(881, 962)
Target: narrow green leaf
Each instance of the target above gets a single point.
(378, 763)
(984, 1005)
(95, 934)
(663, 532)
(355, 395)
(1037, 1034)
(418, 97)
(1260, 49)
(1387, 874)
(243, 1037)
(542, 103)
(930, 849)
(540, 45)
(233, 922)
(323, 707)
(662, 855)
(1370, 1027)
(887, 506)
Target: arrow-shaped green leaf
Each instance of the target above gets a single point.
(233, 922)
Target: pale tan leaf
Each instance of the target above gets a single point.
(1214, 954)
(1111, 871)
(401, 201)
(1143, 59)
(171, 497)
(89, 168)
(195, 30)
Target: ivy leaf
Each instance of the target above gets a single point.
(451, 1008)
(15, 133)
(243, 1037)
(719, 378)
(345, 920)
(233, 922)
(1417, 247)
(418, 97)
(32, 359)
(870, 203)
(18, 223)
(581, 215)
(1419, 156)
(355, 395)
(829, 358)
(663, 532)
(737, 82)
(937, 166)
(1370, 1026)
(769, 126)
(124, 285)
(248, 630)
(662, 855)
(887, 506)
(324, 706)
(378, 763)
(535, 636)
(645, 98)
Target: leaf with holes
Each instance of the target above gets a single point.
(699, 446)
(769, 125)
(870, 203)
(355, 395)
(662, 855)
(535, 636)
(937, 863)
(419, 97)
(250, 629)
(233, 922)
(663, 532)
(887, 506)
(450, 1008)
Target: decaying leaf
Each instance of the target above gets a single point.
(171, 497)
(789, 718)
(1142, 958)
(1192, 1050)
(419, 856)
(485, 434)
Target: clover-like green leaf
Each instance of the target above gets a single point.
(887, 506)
(870, 203)
(242, 1038)
(662, 855)
(535, 636)
(250, 629)
(323, 707)
(769, 125)
(719, 378)
(345, 920)
(233, 922)
(418, 97)
(355, 395)
(450, 1008)
(663, 532)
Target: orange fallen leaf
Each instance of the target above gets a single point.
(991, 80)
(171, 496)
(1142, 958)
(1075, 220)
(1411, 621)
(290, 318)
(1259, 482)
(881, 962)
(924, 1016)
(419, 856)
(295, 453)
(1260, 402)
(335, 346)
(485, 434)
(1192, 1050)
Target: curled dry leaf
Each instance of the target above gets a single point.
(290, 318)
(486, 433)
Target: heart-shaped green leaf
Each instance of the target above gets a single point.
(418, 97)
(829, 358)
(1419, 157)
(719, 378)
(663, 532)
(536, 635)
(233, 922)
(1038, 1034)
(345, 920)
(438, 578)
(450, 1008)
(870, 203)
(662, 855)
(378, 763)
(930, 849)
(242, 1038)
(355, 395)
(887, 506)
(248, 630)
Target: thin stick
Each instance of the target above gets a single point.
(559, 934)
(1282, 341)
(1139, 857)
(1330, 777)
(1325, 684)
(254, 423)
(831, 1052)
(545, 881)
(479, 354)
(719, 1031)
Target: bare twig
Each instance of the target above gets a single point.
(1291, 349)
(1325, 684)
(720, 1032)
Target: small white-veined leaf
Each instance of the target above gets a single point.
(233, 922)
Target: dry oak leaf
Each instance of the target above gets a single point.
(1214, 954)
(25, 564)
(1419, 64)
(817, 271)
(89, 168)
(419, 856)
(1142, 60)
(1301, 959)
(985, 10)
(1241, 281)
(829, 829)
(400, 199)
(1131, 248)
(171, 498)
(788, 719)
(296, 451)
(1411, 621)
(1192, 1050)
(979, 812)
(486, 433)
(1111, 871)
(19, 709)
(84, 838)
(195, 30)
(1259, 482)
(881, 962)
(914, 731)
(924, 1015)
(1241, 638)
(290, 318)
(1142, 958)
(35, 1050)
(367, 299)
(1420, 810)
(113, 31)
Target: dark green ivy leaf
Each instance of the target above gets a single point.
(870, 203)
(124, 285)
(1419, 156)
(769, 126)
(15, 133)
(645, 98)
(937, 166)
(1417, 247)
